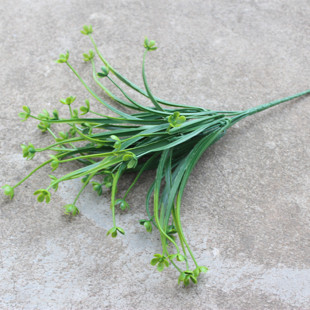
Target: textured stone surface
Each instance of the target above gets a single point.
(246, 207)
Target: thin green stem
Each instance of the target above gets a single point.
(59, 143)
(139, 106)
(113, 193)
(134, 86)
(51, 132)
(123, 114)
(152, 98)
(178, 224)
(163, 233)
(83, 187)
(268, 105)
(99, 114)
(175, 265)
(111, 95)
(178, 216)
(144, 167)
(32, 172)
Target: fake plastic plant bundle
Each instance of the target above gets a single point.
(168, 137)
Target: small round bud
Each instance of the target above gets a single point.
(8, 190)
(71, 209)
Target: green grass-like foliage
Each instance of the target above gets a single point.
(168, 137)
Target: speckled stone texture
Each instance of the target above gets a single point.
(246, 207)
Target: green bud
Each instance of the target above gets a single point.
(8, 190)
(148, 226)
(85, 178)
(193, 278)
(71, 209)
(28, 151)
(43, 194)
(68, 100)
(72, 132)
(75, 113)
(89, 56)
(87, 30)
(154, 261)
(120, 230)
(44, 115)
(25, 115)
(180, 258)
(161, 262)
(107, 181)
(122, 203)
(113, 137)
(132, 160)
(55, 115)
(160, 266)
(53, 179)
(54, 163)
(176, 120)
(63, 58)
(86, 109)
(203, 269)
(112, 232)
(181, 277)
(171, 230)
(97, 187)
(62, 136)
(149, 45)
(117, 145)
(104, 73)
(196, 272)
(43, 126)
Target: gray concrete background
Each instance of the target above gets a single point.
(246, 207)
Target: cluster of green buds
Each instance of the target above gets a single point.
(28, 150)
(147, 224)
(114, 230)
(149, 44)
(161, 261)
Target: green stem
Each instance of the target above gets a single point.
(93, 155)
(87, 137)
(178, 224)
(59, 143)
(157, 183)
(139, 106)
(98, 98)
(113, 193)
(134, 86)
(82, 188)
(265, 106)
(174, 264)
(144, 167)
(32, 172)
(111, 95)
(152, 98)
(178, 216)
(99, 114)
(51, 132)
(159, 225)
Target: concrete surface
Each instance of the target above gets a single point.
(246, 207)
